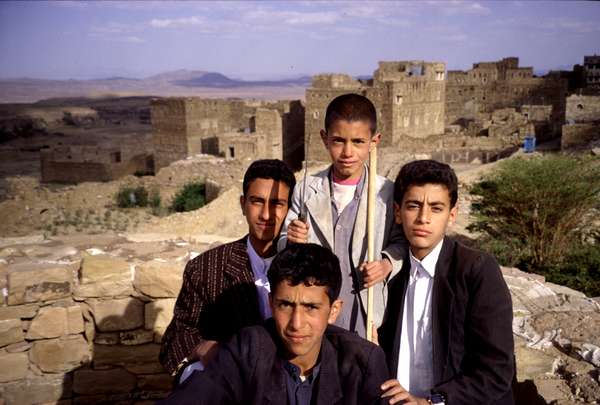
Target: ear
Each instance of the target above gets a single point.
(335, 310)
(375, 139)
(453, 215)
(324, 137)
(397, 214)
(242, 202)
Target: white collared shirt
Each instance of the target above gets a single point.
(415, 360)
(260, 266)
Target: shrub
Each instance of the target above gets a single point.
(191, 197)
(538, 214)
(129, 197)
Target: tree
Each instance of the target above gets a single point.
(535, 211)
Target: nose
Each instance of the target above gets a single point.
(424, 216)
(265, 212)
(297, 319)
(347, 150)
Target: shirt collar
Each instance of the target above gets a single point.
(429, 262)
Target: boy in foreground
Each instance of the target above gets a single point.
(334, 204)
(296, 357)
(447, 332)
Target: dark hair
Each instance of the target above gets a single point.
(309, 264)
(351, 107)
(421, 172)
(273, 169)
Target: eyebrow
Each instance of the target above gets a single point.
(421, 203)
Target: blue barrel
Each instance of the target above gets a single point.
(529, 144)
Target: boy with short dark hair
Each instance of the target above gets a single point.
(447, 331)
(335, 202)
(296, 357)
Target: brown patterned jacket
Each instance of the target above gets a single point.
(218, 298)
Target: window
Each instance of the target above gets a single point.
(398, 99)
(231, 152)
(316, 115)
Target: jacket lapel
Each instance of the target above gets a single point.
(442, 302)
(395, 309)
(319, 207)
(329, 389)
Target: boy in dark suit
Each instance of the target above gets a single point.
(447, 331)
(298, 357)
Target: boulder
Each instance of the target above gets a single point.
(60, 355)
(104, 276)
(125, 355)
(159, 313)
(38, 390)
(74, 320)
(156, 382)
(117, 314)
(32, 282)
(50, 322)
(26, 311)
(159, 279)
(136, 337)
(13, 366)
(11, 332)
(112, 381)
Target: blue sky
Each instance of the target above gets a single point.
(269, 39)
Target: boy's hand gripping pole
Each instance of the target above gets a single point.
(372, 184)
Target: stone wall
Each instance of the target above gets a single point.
(582, 108)
(84, 326)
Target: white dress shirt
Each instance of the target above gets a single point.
(260, 267)
(415, 361)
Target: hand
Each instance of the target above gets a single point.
(376, 271)
(205, 351)
(297, 231)
(393, 390)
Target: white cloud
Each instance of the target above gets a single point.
(267, 16)
(454, 7)
(177, 22)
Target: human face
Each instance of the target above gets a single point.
(301, 315)
(425, 214)
(265, 207)
(348, 144)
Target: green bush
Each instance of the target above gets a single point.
(536, 214)
(129, 197)
(191, 197)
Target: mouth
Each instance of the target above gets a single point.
(347, 163)
(265, 226)
(296, 338)
(421, 232)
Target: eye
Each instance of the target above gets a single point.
(437, 209)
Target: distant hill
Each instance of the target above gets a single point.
(174, 83)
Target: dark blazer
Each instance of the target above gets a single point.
(473, 349)
(249, 370)
(217, 299)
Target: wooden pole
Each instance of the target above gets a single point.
(372, 185)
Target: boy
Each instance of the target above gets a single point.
(336, 211)
(296, 357)
(447, 331)
(225, 288)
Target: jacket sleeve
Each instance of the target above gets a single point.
(182, 334)
(395, 245)
(376, 374)
(487, 368)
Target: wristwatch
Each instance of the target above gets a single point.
(436, 399)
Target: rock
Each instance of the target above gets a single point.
(26, 311)
(156, 382)
(13, 366)
(590, 353)
(108, 338)
(125, 355)
(145, 368)
(60, 355)
(90, 382)
(50, 322)
(552, 389)
(159, 313)
(38, 390)
(32, 282)
(158, 279)
(22, 240)
(18, 347)
(74, 320)
(104, 276)
(118, 314)
(49, 253)
(136, 337)
(10, 332)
